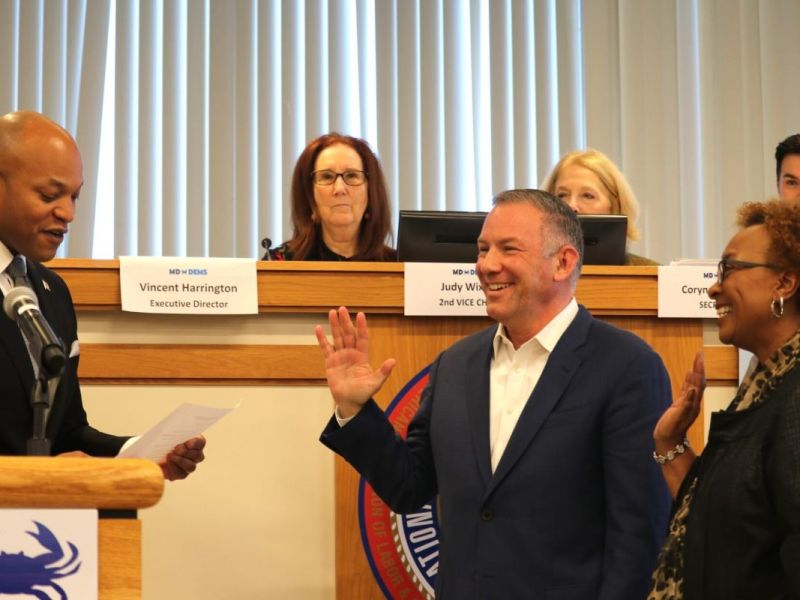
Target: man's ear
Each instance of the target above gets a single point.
(567, 262)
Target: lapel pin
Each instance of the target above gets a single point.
(45, 285)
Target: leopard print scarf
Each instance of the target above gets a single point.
(755, 388)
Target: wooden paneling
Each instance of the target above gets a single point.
(600, 291)
(119, 547)
(282, 286)
(722, 365)
(373, 287)
(195, 364)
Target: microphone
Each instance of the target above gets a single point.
(266, 243)
(21, 306)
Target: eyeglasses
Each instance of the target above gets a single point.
(351, 177)
(726, 265)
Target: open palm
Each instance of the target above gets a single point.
(351, 378)
(677, 419)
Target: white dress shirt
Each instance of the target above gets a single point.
(515, 373)
(5, 259)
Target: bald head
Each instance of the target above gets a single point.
(41, 175)
(21, 131)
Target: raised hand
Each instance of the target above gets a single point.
(351, 379)
(676, 420)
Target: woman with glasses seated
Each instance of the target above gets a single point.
(735, 531)
(340, 207)
(592, 184)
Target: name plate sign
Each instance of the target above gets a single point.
(683, 290)
(192, 286)
(434, 289)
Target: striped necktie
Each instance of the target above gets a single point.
(18, 272)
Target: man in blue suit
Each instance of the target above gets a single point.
(535, 433)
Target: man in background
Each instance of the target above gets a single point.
(41, 175)
(787, 167)
(536, 433)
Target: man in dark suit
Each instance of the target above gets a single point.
(41, 175)
(535, 434)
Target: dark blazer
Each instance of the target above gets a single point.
(67, 427)
(577, 508)
(743, 530)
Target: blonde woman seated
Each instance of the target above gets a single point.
(593, 185)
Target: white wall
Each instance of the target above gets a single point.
(257, 518)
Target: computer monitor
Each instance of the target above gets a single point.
(438, 236)
(604, 239)
(451, 236)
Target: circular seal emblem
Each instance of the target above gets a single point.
(402, 550)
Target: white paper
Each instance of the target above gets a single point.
(185, 422)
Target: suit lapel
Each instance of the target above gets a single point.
(11, 338)
(42, 294)
(477, 386)
(47, 306)
(561, 367)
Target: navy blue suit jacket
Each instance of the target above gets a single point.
(576, 509)
(67, 427)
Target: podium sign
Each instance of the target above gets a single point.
(199, 286)
(683, 291)
(443, 289)
(49, 551)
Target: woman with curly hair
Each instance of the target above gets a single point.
(735, 531)
(340, 206)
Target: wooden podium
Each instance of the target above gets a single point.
(115, 486)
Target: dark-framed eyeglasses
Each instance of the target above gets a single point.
(351, 177)
(726, 265)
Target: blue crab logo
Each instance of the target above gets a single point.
(20, 574)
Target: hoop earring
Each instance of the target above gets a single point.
(777, 312)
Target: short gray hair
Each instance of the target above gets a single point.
(560, 220)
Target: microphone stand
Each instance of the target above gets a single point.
(42, 394)
(266, 243)
(47, 351)
(50, 363)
